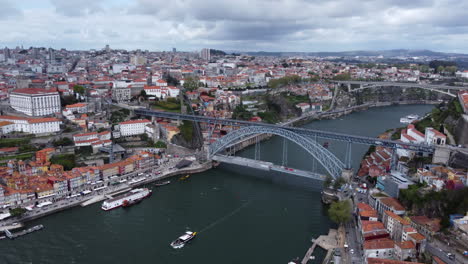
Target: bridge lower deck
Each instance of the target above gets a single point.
(266, 166)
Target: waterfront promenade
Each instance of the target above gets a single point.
(165, 170)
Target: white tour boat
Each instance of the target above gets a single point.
(126, 199)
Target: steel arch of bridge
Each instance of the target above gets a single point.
(328, 160)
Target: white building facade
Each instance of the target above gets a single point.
(133, 127)
(35, 102)
(34, 125)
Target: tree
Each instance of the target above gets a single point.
(339, 182)
(342, 77)
(186, 130)
(328, 181)
(171, 80)
(160, 144)
(143, 94)
(65, 141)
(17, 211)
(66, 160)
(191, 83)
(340, 212)
(240, 112)
(79, 89)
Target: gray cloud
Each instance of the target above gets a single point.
(300, 25)
(8, 10)
(77, 7)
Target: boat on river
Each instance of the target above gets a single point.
(184, 177)
(126, 199)
(409, 119)
(183, 239)
(162, 183)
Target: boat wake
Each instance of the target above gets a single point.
(225, 217)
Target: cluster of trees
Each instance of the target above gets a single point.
(65, 141)
(342, 77)
(286, 80)
(186, 130)
(435, 204)
(66, 160)
(171, 81)
(192, 83)
(336, 184)
(443, 66)
(214, 52)
(19, 211)
(171, 104)
(79, 89)
(241, 113)
(160, 144)
(340, 212)
(119, 116)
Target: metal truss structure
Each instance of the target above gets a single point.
(313, 133)
(328, 160)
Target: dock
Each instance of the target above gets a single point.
(326, 242)
(11, 235)
(309, 252)
(11, 227)
(99, 198)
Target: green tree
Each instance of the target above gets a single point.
(342, 77)
(340, 212)
(339, 182)
(160, 144)
(143, 94)
(65, 141)
(440, 69)
(186, 130)
(79, 89)
(17, 211)
(240, 112)
(66, 160)
(191, 83)
(328, 181)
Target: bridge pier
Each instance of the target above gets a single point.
(349, 87)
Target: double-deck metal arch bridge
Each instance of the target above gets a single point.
(306, 138)
(440, 88)
(328, 160)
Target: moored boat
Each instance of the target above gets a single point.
(184, 177)
(183, 239)
(162, 183)
(126, 199)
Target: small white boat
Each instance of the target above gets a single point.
(180, 242)
(409, 119)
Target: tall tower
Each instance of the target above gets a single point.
(206, 54)
(51, 55)
(7, 53)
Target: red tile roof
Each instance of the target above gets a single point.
(135, 121)
(33, 91)
(379, 244)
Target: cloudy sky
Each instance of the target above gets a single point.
(254, 25)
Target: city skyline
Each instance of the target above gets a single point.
(292, 26)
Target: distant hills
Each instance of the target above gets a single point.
(363, 53)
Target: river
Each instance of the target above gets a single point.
(242, 219)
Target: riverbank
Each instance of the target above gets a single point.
(109, 191)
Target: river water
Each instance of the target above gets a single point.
(244, 216)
